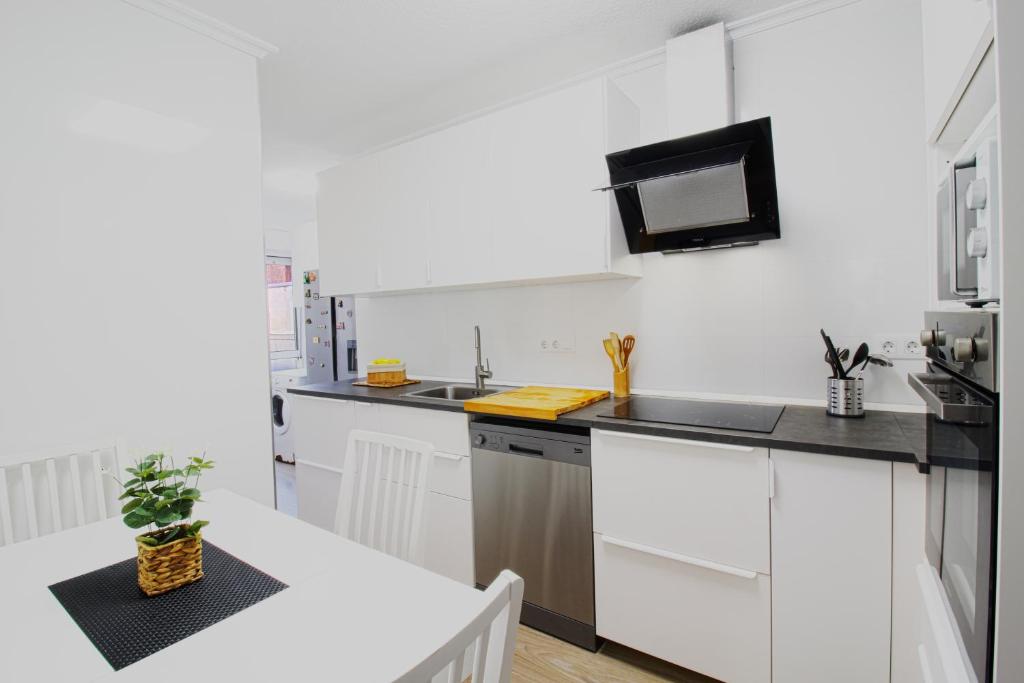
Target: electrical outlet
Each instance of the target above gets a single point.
(899, 346)
(560, 344)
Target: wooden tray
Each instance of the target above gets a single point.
(539, 403)
(364, 383)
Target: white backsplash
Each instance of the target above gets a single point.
(740, 322)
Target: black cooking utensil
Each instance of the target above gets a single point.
(833, 357)
(844, 354)
(861, 356)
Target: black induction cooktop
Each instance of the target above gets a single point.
(747, 417)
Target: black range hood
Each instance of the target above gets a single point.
(705, 191)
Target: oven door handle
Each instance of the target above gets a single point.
(953, 413)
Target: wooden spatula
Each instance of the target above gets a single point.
(628, 342)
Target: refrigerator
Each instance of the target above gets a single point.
(329, 329)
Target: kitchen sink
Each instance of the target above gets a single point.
(453, 392)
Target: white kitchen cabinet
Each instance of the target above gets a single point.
(831, 532)
(321, 427)
(956, 35)
(696, 498)
(348, 237)
(700, 618)
(506, 197)
(681, 551)
(448, 537)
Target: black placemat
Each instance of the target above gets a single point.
(126, 626)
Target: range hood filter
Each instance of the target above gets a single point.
(695, 199)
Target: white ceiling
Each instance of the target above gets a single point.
(352, 75)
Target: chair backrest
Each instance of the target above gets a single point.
(58, 489)
(491, 633)
(383, 492)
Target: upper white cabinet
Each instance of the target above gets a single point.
(831, 568)
(957, 33)
(506, 197)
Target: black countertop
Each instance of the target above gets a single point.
(879, 435)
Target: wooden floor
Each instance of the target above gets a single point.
(541, 658)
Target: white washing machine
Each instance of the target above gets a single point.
(281, 411)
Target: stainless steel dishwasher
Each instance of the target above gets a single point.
(532, 514)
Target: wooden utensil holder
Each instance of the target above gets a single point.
(620, 383)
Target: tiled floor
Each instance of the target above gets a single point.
(284, 485)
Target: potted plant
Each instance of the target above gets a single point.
(160, 496)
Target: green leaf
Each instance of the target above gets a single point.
(167, 516)
(131, 482)
(136, 521)
(131, 505)
(171, 535)
(164, 474)
(197, 525)
(148, 540)
(192, 494)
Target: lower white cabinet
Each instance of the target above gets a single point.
(831, 538)
(699, 617)
(681, 552)
(321, 427)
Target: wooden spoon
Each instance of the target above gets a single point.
(617, 345)
(609, 348)
(628, 342)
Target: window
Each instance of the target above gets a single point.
(284, 342)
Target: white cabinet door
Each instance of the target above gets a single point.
(831, 568)
(464, 187)
(699, 499)
(548, 220)
(956, 34)
(320, 427)
(448, 537)
(348, 228)
(701, 618)
(403, 212)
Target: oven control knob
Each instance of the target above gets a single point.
(977, 243)
(933, 338)
(479, 440)
(977, 194)
(969, 349)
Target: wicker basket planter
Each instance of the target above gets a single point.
(165, 567)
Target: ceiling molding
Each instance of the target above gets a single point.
(787, 14)
(207, 26)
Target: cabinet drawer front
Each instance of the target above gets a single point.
(447, 431)
(448, 537)
(451, 475)
(700, 500)
(320, 427)
(701, 618)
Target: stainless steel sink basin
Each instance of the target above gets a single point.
(454, 393)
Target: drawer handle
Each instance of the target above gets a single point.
(326, 468)
(448, 456)
(697, 562)
(688, 442)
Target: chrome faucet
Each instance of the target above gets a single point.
(480, 373)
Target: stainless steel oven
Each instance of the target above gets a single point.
(960, 390)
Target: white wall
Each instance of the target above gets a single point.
(844, 89)
(133, 300)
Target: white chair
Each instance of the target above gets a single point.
(57, 489)
(383, 491)
(492, 633)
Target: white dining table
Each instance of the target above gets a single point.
(349, 614)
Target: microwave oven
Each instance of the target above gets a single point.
(968, 227)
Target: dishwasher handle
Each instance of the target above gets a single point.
(525, 450)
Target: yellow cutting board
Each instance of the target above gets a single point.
(539, 403)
